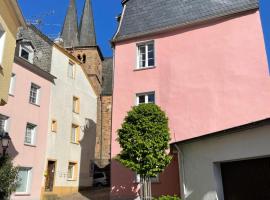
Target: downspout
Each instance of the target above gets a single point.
(181, 171)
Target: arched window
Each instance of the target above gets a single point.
(84, 58)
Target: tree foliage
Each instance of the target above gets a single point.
(144, 139)
(8, 177)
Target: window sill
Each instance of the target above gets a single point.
(144, 68)
(29, 145)
(34, 104)
(77, 113)
(71, 180)
(22, 194)
(11, 95)
(77, 143)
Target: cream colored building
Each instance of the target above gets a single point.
(72, 127)
(10, 19)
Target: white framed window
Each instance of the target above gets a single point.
(71, 175)
(145, 98)
(30, 134)
(34, 94)
(153, 179)
(12, 84)
(71, 70)
(4, 123)
(24, 177)
(27, 52)
(145, 55)
(2, 43)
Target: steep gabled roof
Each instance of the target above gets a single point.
(69, 32)
(87, 35)
(142, 17)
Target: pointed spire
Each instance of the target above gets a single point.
(87, 29)
(70, 29)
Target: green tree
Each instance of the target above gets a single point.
(144, 139)
(8, 177)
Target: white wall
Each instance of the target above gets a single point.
(59, 146)
(200, 170)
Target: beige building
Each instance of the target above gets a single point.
(10, 19)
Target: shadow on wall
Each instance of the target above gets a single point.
(123, 184)
(87, 143)
(11, 151)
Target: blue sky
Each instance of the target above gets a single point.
(265, 16)
(52, 13)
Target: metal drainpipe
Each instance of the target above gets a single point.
(181, 171)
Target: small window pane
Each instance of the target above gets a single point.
(151, 62)
(141, 99)
(24, 54)
(151, 98)
(3, 123)
(71, 70)
(34, 92)
(29, 134)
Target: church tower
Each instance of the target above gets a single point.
(81, 43)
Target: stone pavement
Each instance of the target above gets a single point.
(93, 194)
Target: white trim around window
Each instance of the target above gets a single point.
(25, 179)
(12, 84)
(30, 134)
(146, 55)
(27, 52)
(4, 123)
(147, 97)
(34, 97)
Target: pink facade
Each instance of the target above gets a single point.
(21, 112)
(207, 77)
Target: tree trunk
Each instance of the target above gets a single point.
(145, 189)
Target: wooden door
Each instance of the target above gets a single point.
(50, 176)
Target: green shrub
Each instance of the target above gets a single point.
(168, 198)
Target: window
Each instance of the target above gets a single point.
(75, 133)
(27, 52)
(30, 134)
(34, 94)
(54, 126)
(71, 70)
(12, 84)
(145, 98)
(153, 179)
(24, 177)
(76, 104)
(72, 170)
(2, 44)
(3, 123)
(145, 57)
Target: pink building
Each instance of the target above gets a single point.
(204, 63)
(25, 118)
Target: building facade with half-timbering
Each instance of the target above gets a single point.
(205, 64)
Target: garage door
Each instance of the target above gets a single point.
(246, 180)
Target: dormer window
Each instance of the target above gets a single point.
(27, 52)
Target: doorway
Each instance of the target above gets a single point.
(50, 176)
(246, 180)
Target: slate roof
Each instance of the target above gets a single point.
(87, 35)
(148, 16)
(107, 74)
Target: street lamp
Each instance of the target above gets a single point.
(5, 139)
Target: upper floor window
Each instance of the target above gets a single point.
(3, 123)
(27, 52)
(145, 98)
(2, 43)
(75, 133)
(12, 84)
(76, 104)
(145, 55)
(71, 70)
(54, 126)
(34, 94)
(24, 177)
(30, 134)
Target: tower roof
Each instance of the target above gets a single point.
(87, 33)
(70, 29)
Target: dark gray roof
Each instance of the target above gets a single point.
(87, 34)
(107, 76)
(41, 43)
(69, 32)
(148, 16)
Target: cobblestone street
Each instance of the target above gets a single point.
(93, 194)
